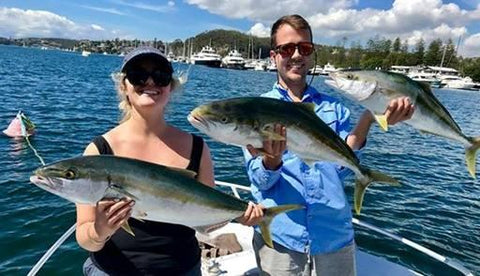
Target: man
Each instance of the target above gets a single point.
(319, 239)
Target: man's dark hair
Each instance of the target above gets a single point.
(296, 21)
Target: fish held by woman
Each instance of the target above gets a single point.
(161, 193)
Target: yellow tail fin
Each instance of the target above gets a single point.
(382, 121)
(361, 185)
(269, 214)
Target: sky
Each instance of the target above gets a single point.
(331, 21)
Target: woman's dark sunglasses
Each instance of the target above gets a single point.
(140, 77)
(287, 50)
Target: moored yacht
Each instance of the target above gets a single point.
(451, 78)
(233, 60)
(207, 56)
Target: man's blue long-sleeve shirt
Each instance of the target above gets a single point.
(325, 225)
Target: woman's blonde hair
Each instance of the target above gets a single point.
(124, 104)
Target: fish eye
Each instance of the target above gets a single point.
(69, 174)
(350, 76)
(224, 120)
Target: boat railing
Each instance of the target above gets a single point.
(235, 189)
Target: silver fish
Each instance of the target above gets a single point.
(161, 193)
(375, 89)
(251, 120)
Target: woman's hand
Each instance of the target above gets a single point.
(110, 214)
(253, 215)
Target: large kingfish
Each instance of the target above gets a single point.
(251, 120)
(161, 193)
(375, 89)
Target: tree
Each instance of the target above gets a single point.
(434, 53)
(419, 53)
(397, 44)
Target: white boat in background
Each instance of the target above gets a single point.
(271, 67)
(400, 69)
(451, 78)
(242, 262)
(316, 70)
(260, 65)
(233, 60)
(207, 56)
(85, 53)
(328, 68)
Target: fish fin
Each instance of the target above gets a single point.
(127, 228)
(205, 229)
(187, 173)
(470, 154)
(362, 183)
(269, 214)
(425, 87)
(427, 132)
(382, 121)
(122, 191)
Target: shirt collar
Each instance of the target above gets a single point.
(310, 94)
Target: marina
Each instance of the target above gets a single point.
(71, 99)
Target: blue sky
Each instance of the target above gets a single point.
(357, 20)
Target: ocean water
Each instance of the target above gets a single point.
(71, 99)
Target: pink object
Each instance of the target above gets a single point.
(14, 129)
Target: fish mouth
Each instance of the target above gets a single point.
(41, 181)
(197, 120)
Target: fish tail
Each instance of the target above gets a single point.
(363, 182)
(470, 153)
(270, 213)
(382, 121)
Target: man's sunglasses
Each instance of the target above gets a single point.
(287, 50)
(140, 77)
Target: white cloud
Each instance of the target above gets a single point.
(100, 9)
(170, 6)
(333, 20)
(36, 23)
(471, 46)
(259, 30)
(268, 10)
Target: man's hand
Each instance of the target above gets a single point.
(272, 150)
(399, 110)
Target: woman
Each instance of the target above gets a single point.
(144, 86)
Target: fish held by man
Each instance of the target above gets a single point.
(251, 120)
(161, 193)
(375, 89)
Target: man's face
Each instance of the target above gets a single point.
(291, 69)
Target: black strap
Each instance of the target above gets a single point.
(102, 145)
(196, 154)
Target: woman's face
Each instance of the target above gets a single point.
(152, 92)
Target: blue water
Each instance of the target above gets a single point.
(71, 99)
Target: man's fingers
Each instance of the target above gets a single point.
(253, 151)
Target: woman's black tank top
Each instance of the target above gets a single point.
(157, 248)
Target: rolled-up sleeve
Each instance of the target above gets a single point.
(343, 130)
(258, 175)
